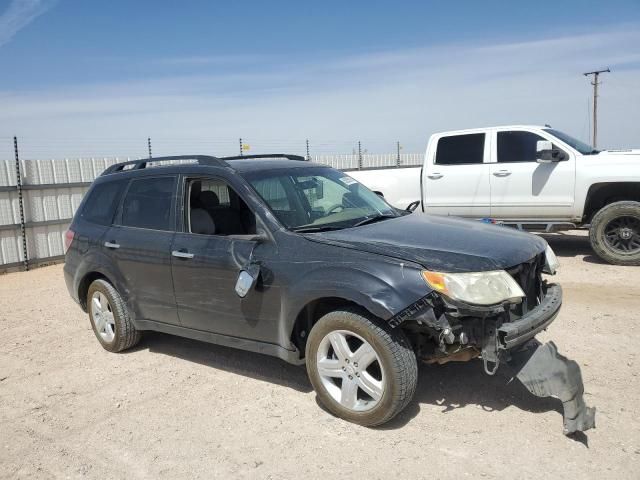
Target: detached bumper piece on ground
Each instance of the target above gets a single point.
(547, 373)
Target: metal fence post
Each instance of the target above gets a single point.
(359, 155)
(23, 230)
(149, 146)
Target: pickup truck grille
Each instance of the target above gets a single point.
(529, 277)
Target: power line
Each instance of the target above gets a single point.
(595, 84)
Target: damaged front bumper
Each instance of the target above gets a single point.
(462, 332)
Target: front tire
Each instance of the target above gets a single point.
(361, 369)
(110, 318)
(615, 233)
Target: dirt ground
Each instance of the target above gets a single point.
(176, 408)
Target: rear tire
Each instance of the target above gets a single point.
(615, 233)
(110, 318)
(372, 392)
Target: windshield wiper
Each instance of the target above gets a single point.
(324, 228)
(376, 218)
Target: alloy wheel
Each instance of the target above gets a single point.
(623, 234)
(350, 370)
(102, 317)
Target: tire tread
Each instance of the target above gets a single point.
(127, 335)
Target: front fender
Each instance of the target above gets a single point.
(383, 288)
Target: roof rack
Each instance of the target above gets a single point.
(142, 163)
(266, 155)
(201, 159)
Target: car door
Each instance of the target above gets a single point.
(521, 188)
(455, 179)
(207, 258)
(139, 243)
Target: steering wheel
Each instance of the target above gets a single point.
(335, 207)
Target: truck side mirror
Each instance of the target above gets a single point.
(545, 153)
(412, 206)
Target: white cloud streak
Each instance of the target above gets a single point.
(377, 98)
(18, 15)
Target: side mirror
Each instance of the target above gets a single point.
(247, 279)
(545, 153)
(412, 206)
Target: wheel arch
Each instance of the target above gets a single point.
(602, 194)
(85, 283)
(313, 311)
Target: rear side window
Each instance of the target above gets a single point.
(148, 203)
(517, 146)
(102, 202)
(460, 149)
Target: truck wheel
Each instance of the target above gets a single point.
(110, 318)
(362, 370)
(615, 233)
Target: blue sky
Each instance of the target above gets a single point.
(97, 78)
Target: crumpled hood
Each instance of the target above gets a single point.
(439, 243)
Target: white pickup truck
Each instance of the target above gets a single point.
(531, 177)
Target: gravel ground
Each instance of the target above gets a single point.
(176, 408)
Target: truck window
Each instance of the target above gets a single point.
(102, 202)
(148, 202)
(460, 149)
(517, 146)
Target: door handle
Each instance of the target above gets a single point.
(435, 176)
(111, 245)
(182, 254)
(502, 173)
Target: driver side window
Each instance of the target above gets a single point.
(518, 146)
(214, 208)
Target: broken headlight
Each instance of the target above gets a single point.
(476, 288)
(551, 263)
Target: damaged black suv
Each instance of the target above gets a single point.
(277, 255)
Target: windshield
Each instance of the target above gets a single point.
(317, 198)
(582, 147)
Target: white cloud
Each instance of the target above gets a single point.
(376, 97)
(18, 15)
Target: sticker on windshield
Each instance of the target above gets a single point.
(348, 180)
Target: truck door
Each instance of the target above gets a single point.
(455, 179)
(523, 189)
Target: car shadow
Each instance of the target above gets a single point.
(568, 244)
(241, 362)
(448, 387)
(458, 385)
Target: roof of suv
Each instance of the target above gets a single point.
(177, 164)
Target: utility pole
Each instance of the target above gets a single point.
(595, 84)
